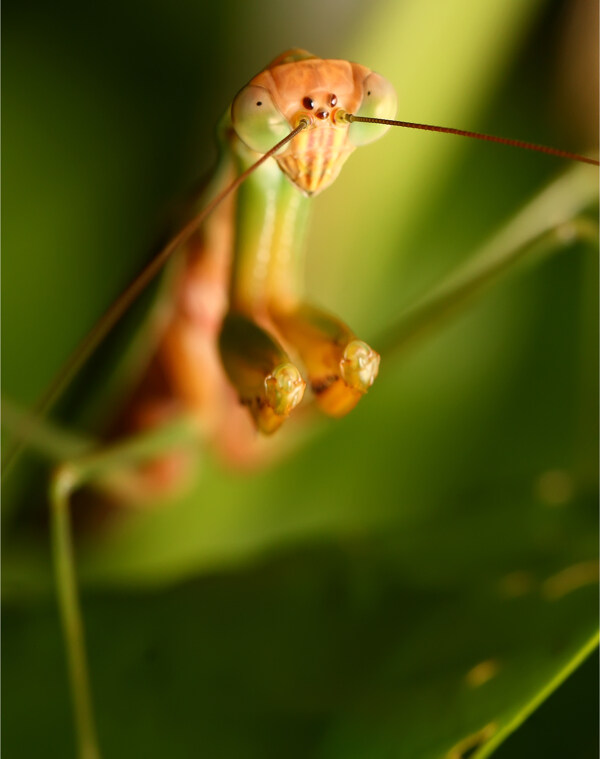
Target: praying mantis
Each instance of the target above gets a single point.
(233, 339)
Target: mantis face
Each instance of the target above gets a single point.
(298, 87)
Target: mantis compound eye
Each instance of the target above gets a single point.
(257, 120)
(379, 101)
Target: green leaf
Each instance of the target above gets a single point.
(398, 581)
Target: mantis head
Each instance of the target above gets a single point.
(297, 87)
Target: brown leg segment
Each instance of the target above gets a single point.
(340, 367)
(266, 380)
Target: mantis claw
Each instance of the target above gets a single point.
(360, 365)
(284, 388)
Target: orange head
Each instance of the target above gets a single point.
(297, 87)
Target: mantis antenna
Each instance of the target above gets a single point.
(127, 297)
(118, 308)
(350, 117)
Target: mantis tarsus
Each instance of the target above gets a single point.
(339, 367)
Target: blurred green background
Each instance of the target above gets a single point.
(351, 600)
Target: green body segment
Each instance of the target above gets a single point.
(270, 225)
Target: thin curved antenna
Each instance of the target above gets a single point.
(350, 117)
(107, 321)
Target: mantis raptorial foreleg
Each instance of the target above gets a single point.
(340, 367)
(266, 380)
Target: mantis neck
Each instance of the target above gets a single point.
(270, 225)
